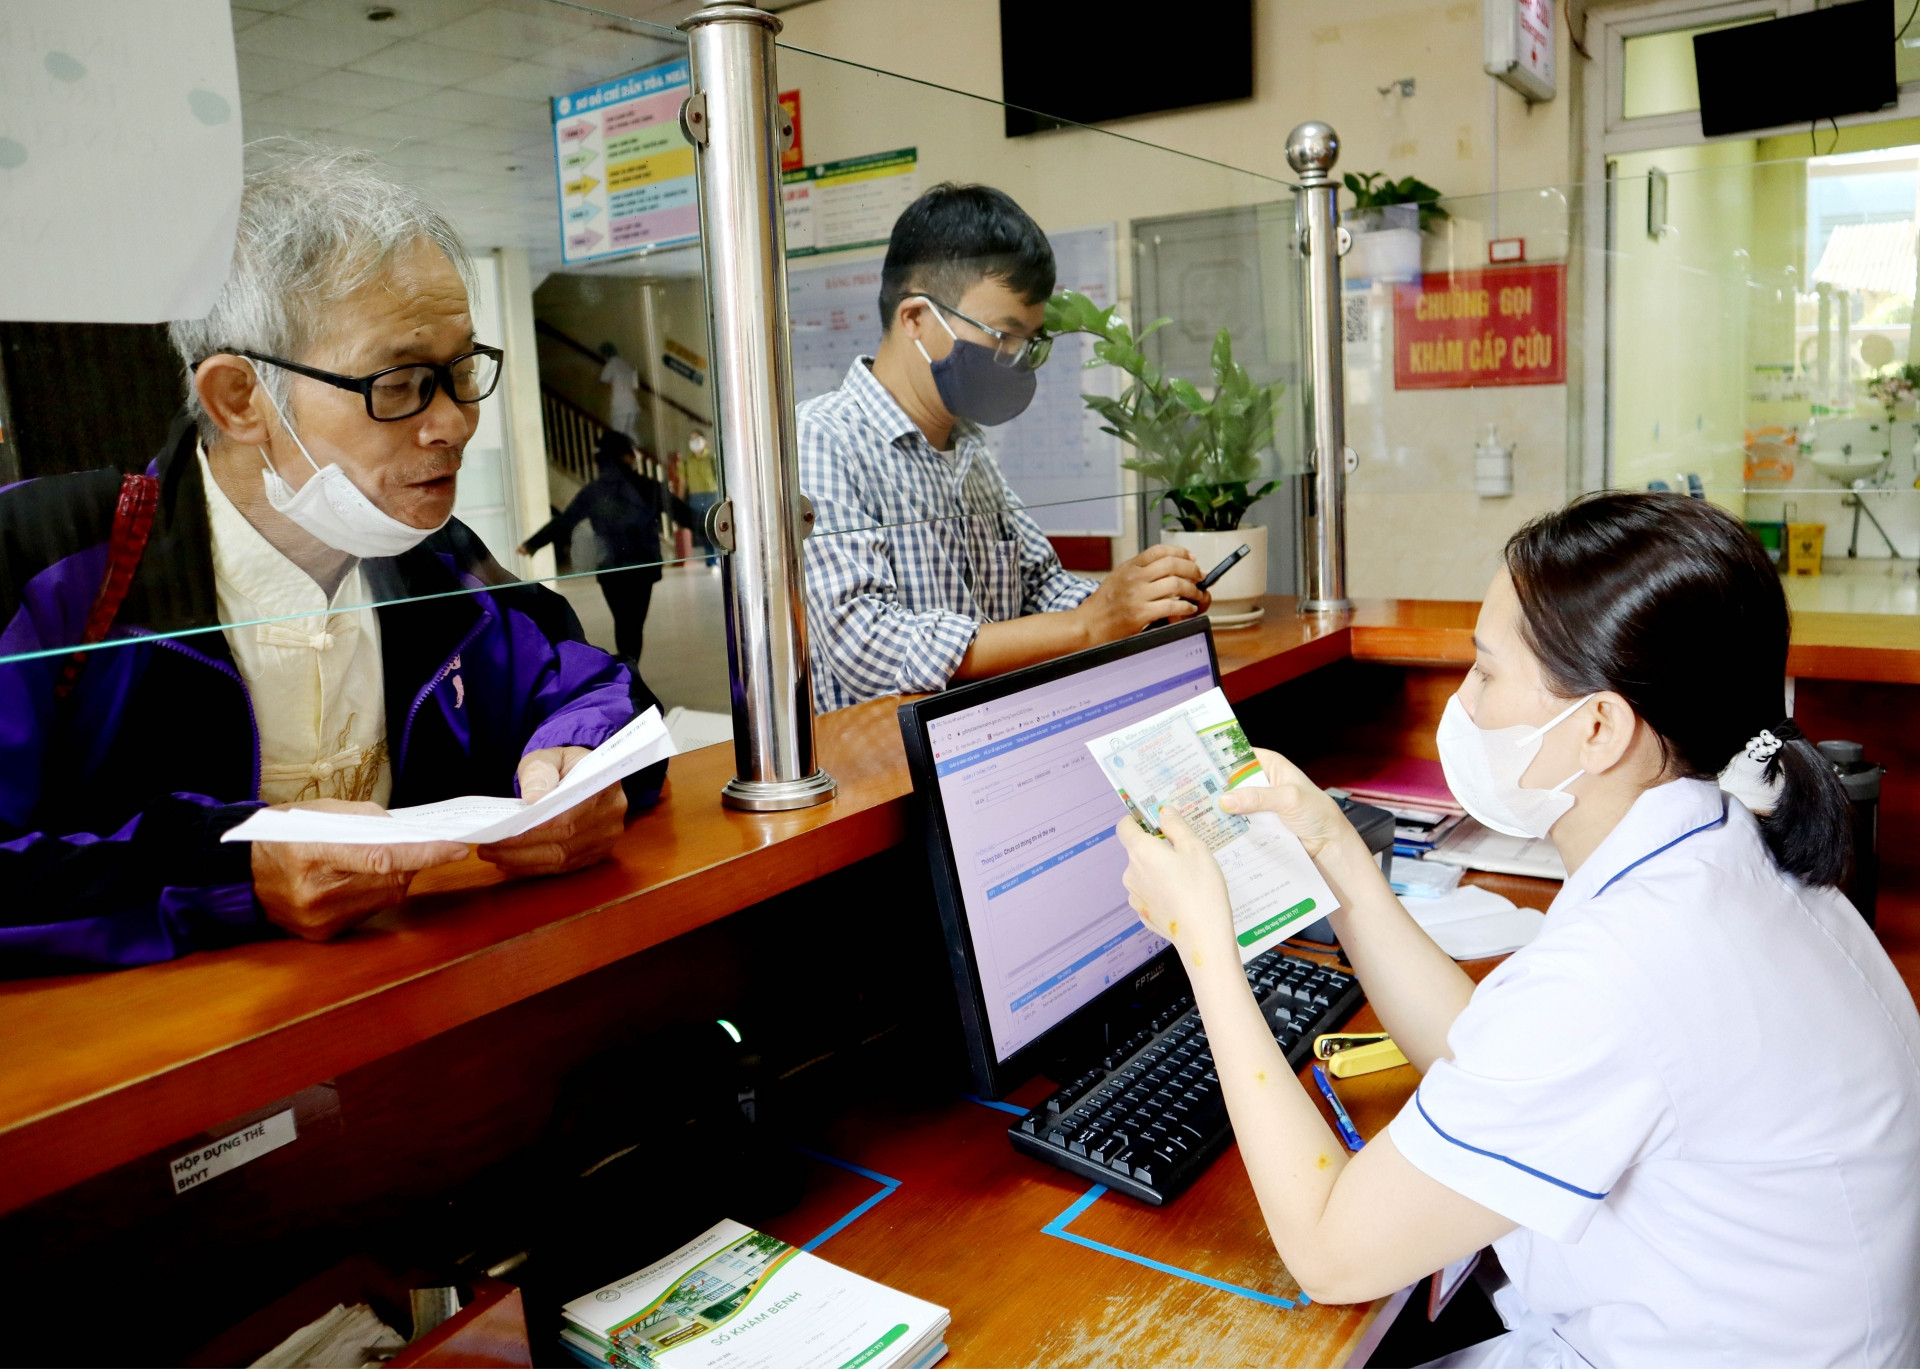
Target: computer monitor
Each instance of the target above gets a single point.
(1019, 827)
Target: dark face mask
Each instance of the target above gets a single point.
(974, 386)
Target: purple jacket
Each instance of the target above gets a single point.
(113, 800)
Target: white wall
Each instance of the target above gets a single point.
(1311, 61)
(520, 386)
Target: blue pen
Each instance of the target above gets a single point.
(1348, 1133)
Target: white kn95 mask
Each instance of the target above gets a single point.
(335, 510)
(1483, 767)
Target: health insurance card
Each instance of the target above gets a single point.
(1186, 758)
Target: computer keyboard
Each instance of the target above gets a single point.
(1149, 1117)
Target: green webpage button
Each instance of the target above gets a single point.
(1255, 934)
(880, 1345)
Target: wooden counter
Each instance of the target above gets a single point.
(99, 1070)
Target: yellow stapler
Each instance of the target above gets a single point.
(1355, 1054)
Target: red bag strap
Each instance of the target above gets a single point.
(132, 523)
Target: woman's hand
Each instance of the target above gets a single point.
(1308, 811)
(1177, 888)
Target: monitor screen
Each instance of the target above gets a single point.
(1030, 819)
(1841, 57)
(1077, 65)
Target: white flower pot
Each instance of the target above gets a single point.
(1239, 591)
(1384, 255)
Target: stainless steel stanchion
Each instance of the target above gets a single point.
(1312, 149)
(735, 123)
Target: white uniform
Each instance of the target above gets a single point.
(1698, 1093)
(623, 395)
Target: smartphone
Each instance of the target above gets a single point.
(1206, 582)
(1226, 565)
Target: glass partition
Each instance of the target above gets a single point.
(547, 134)
(1762, 348)
(1735, 318)
(1458, 374)
(1730, 321)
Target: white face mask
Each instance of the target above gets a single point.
(334, 510)
(1484, 766)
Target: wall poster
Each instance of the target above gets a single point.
(625, 170)
(834, 206)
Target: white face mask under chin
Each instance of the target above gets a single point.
(1484, 766)
(334, 510)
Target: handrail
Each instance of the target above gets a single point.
(573, 434)
(568, 340)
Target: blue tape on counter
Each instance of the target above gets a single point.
(887, 1186)
(1001, 1105)
(1057, 1228)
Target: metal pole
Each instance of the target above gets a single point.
(735, 123)
(1312, 149)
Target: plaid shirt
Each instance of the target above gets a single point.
(912, 549)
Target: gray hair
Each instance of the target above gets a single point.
(316, 224)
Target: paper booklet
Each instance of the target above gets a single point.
(470, 818)
(1186, 758)
(735, 1297)
(1478, 848)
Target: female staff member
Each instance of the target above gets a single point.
(1688, 1114)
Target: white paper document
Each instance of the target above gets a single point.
(1186, 759)
(470, 818)
(1472, 922)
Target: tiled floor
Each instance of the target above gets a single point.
(685, 659)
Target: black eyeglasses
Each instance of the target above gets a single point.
(404, 391)
(1009, 350)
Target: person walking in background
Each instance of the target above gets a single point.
(703, 489)
(623, 391)
(624, 510)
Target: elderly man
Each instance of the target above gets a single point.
(285, 611)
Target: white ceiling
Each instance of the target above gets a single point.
(452, 93)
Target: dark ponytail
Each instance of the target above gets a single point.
(1670, 603)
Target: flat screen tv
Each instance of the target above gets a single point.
(1082, 64)
(1797, 70)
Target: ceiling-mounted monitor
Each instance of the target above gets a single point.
(1075, 64)
(1797, 70)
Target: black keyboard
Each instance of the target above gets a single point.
(1149, 1117)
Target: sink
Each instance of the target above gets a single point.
(1847, 465)
(1849, 448)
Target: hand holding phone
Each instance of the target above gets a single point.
(1225, 565)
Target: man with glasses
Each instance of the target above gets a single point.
(922, 568)
(300, 618)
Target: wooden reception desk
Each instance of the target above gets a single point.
(102, 1077)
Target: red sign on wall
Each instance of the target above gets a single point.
(793, 157)
(1506, 326)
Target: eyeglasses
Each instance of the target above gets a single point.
(404, 391)
(1009, 349)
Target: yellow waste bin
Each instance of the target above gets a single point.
(1804, 547)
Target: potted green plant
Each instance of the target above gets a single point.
(1386, 223)
(1201, 451)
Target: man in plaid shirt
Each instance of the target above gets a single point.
(922, 568)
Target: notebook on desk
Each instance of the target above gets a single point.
(740, 1298)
